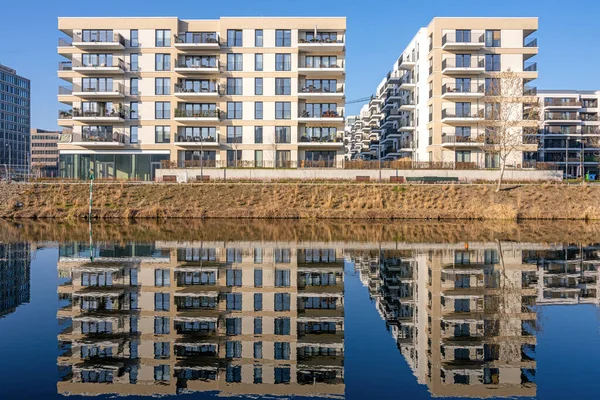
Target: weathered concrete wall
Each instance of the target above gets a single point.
(189, 174)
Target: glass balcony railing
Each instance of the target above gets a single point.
(306, 137)
(339, 88)
(463, 63)
(114, 63)
(463, 88)
(315, 113)
(212, 87)
(198, 38)
(530, 67)
(561, 103)
(453, 38)
(183, 138)
(530, 42)
(183, 113)
(108, 113)
(462, 113)
(101, 37)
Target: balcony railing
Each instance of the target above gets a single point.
(472, 63)
(462, 139)
(561, 131)
(197, 139)
(530, 42)
(306, 138)
(321, 39)
(213, 88)
(101, 113)
(467, 39)
(64, 42)
(65, 65)
(198, 38)
(114, 38)
(113, 87)
(203, 63)
(562, 116)
(461, 113)
(472, 88)
(102, 137)
(337, 64)
(589, 117)
(182, 113)
(530, 91)
(118, 62)
(322, 114)
(62, 90)
(323, 89)
(65, 114)
(561, 103)
(530, 67)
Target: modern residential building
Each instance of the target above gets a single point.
(234, 91)
(242, 318)
(570, 132)
(430, 106)
(15, 119)
(44, 152)
(15, 276)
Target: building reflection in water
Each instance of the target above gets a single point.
(15, 276)
(166, 318)
(465, 316)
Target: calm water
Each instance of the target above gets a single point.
(264, 310)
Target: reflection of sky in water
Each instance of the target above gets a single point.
(488, 319)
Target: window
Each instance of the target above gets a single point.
(283, 38)
(133, 110)
(234, 38)
(234, 134)
(234, 277)
(233, 301)
(234, 62)
(282, 350)
(283, 86)
(162, 350)
(320, 86)
(258, 139)
(162, 62)
(133, 62)
(283, 134)
(462, 305)
(258, 62)
(133, 86)
(198, 62)
(462, 133)
(282, 278)
(258, 252)
(258, 277)
(233, 374)
(463, 85)
(258, 302)
(233, 349)
(463, 109)
(282, 375)
(161, 301)
(492, 62)
(463, 60)
(258, 326)
(97, 60)
(258, 86)
(492, 38)
(257, 352)
(283, 62)
(161, 325)
(234, 86)
(162, 373)
(162, 86)
(282, 326)
(134, 38)
(320, 61)
(258, 110)
(163, 38)
(258, 158)
(133, 134)
(283, 110)
(463, 35)
(162, 277)
(162, 110)
(234, 110)
(282, 302)
(162, 134)
(258, 38)
(233, 326)
(317, 110)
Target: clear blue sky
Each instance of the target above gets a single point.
(378, 30)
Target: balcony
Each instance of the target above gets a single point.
(305, 92)
(395, 113)
(98, 116)
(184, 91)
(96, 139)
(407, 83)
(309, 42)
(183, 115)
(205, 66)
(530, 42)
(453, 91)
(406, 126)
(452, 66)
(562, 117)
(197, 41)
(324, 116)
(407, 62)
(407, 105)
(473, 41)
(117, 67)
(307, 140)
(452, 115)
(530, 67)
(103, 91)
(451, 140)
(99, 42)
(336, 68)
(560, 103)
(530, 91)
(65, 117)
(197, 141)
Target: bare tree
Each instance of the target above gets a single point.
(507, 110)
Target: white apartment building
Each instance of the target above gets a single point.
(146, 92)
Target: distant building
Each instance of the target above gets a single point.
(15, 263)
(15, 117)
(44, 152)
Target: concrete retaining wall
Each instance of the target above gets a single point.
(190, 174)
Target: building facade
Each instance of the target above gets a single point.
(570, 131)
(44, 152)
(264, 92)
(15, 119)
(430, 106)
(15, 276)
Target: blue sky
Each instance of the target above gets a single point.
(378, 30)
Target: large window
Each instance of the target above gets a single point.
(492, 62)
(258, 38)
(282, 302)
(97, 35)
(198, 86)
(162, 86)
(234, 86)
(97, 84)
(283, 62)
(162, 134)
(319, 134)
(492, 38)
(233, 326)
(322, 37)
(234, 62)
(161, 302)
(133, 134)
(162, 110)
(463, 156)
(282, 350)
(283, 134)
(283, 110)
(133, 62)
(134, 38)
(258, 277)
(258, 301)
(282, 326)
(283, 158)
(318, 110)
(162, 277)
(283, 38)
(234, 134)
(163, 38)
(258, 110)
(133, 86)
(234, 110)
(162, 325)
(283, 86)
(198, 110)
(162, 62)
(234, 38)
(233, 301)
(198, 61)
(320, 61)
(258, 86)
(463, 35)
(258, 62)
(282, 278)
(258, 138)
(233, 349)
(320, 86)
(463, 60)
(97, 60)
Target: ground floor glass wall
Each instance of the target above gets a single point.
(110, 166)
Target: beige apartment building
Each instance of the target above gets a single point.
(242, 318)
(44, 152)
(264, 92)
(430, 106)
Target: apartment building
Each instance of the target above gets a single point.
(44, 152)
(264, 92)
(430, 106)
(15, 119)
(570, 132)
(245, 318)
(15, 276)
